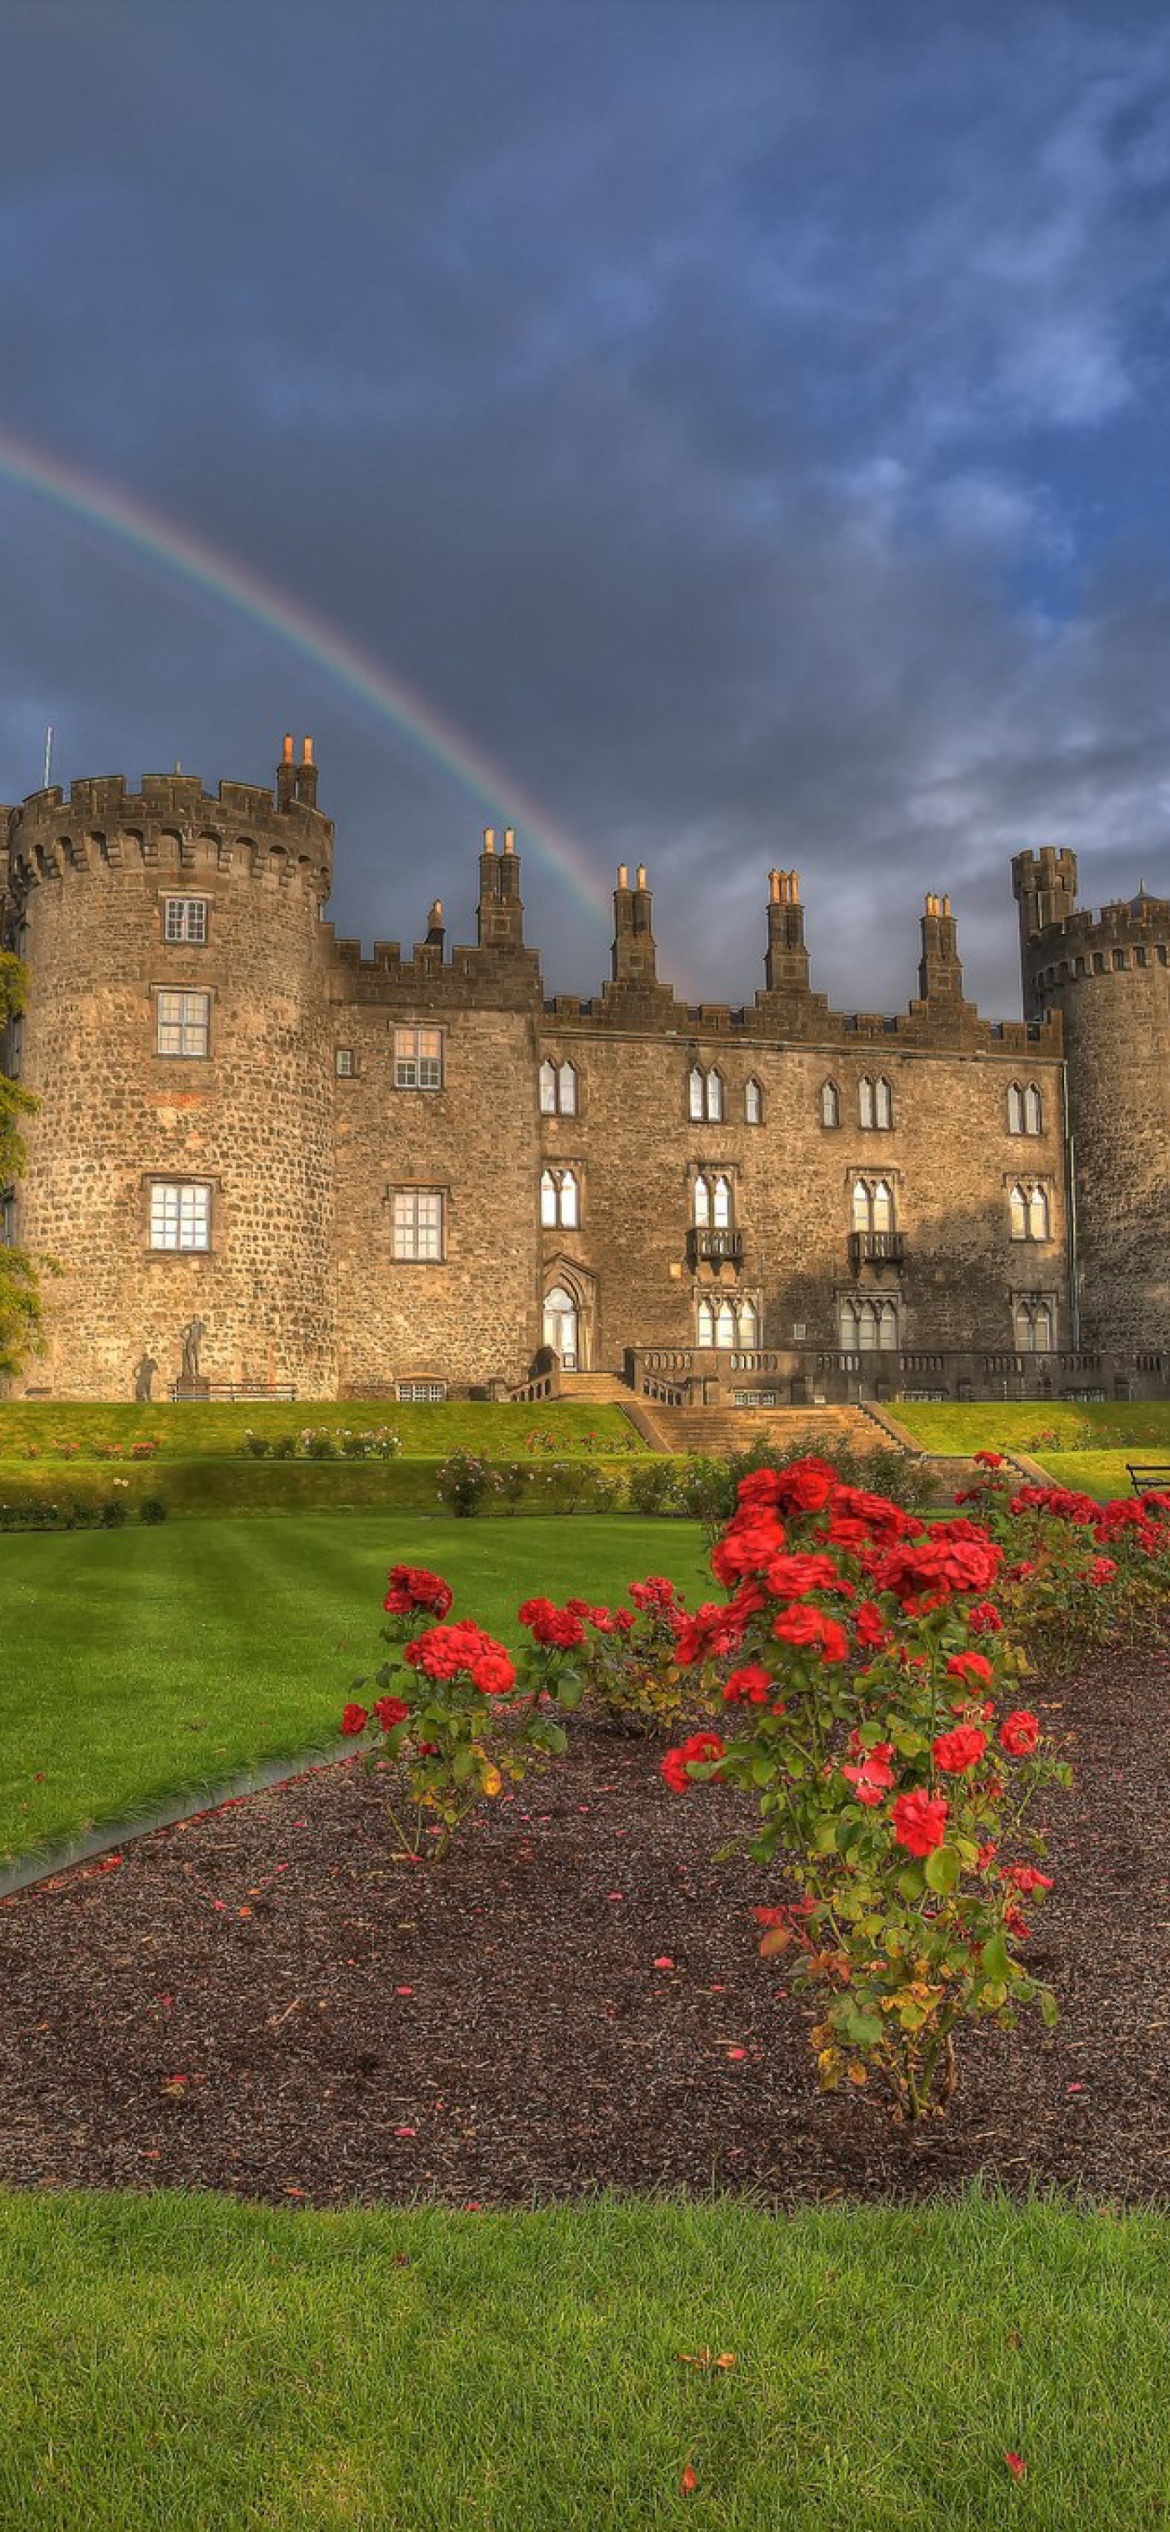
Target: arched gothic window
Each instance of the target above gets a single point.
(1033, 1110)
(865, 1100)
(706, 1323)
(749, 1325)
(753, 1102)
(1038, 1214)
(705, 1095)
(867, 1327)
(711, 1201)
(873, 1204)
(883, 1105)
(558, 1089)
(560, 1199)
(1035, 1326)
(1015, 1108)
(830, 1104)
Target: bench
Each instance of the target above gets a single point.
(1149, 1476)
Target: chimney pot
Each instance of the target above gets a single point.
(641, 874)
(288, 747)
(307, 752)
(623, 875)
(489, 839)
(509, 839)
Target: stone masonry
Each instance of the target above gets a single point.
(408, 1169)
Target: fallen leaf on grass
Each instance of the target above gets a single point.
(708, 2364)
(1018, 2469)
(663, 1961)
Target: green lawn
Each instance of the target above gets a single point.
(194, 2364)
(1132, 1432)
(201, 1432)
(140, 1661)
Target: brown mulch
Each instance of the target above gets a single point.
(264, 2001)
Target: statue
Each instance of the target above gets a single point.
(191, 1337)
(143, 1375)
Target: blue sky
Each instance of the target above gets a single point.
(748, 424)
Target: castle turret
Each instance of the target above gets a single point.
(1107, 975)
(178, 1040)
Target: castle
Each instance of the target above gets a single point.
(262, 1160)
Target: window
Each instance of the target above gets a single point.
(830, 1104)
(1034, 1321)
(180, 1215)
(1028, 1211)
(182, 1022)
(711, 1200)
(873, 1205)
(867, 1327)
(875, 1103)
(418, 1223)
(421, 1393)
(729, 1325)
(185, 919)
(1025, 1109)
(8, 1220)
(558, 1089)
(12, 1047)
(705, 1095)
(418, 1059)
(753, 1102)
(346, 1067)
(560, 1199)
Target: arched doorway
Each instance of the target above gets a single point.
(561, 1326)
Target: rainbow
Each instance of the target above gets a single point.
(262, 602)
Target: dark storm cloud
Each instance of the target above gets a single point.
(743, 422)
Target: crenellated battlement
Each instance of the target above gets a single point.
(171, 822)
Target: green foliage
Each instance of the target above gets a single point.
(216, 1430)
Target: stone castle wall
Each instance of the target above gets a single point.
(252, 1120)
(295, 1119)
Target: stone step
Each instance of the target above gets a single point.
(718, 1430)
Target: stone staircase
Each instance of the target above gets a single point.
(596, 1389)
(719, 1430)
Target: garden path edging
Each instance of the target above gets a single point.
(190, 1805)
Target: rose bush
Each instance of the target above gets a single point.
(867, 1655)
(455, 1713)
(629, 1661)
(1076, 1571)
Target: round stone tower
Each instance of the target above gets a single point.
(177, 1037)
(1108, 975)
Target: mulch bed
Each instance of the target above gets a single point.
(264, 2001)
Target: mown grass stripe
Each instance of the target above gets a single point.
(199, 2362)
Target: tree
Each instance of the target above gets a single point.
(20, 1301)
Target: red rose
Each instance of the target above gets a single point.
(791, 1576)
(389, 1711)
(873, 1776)
(805, 1485)
(989, 1459)
(551, 1625)
(1026, 1879)
(956, 1751)
(973, 1669)
(746, 1549)
(493, 1673)
(920, 1823)
(804, 1625)
(414, 1587)
(702, 1747)
(655, 1593)
(872, 1630)
(984, 1618)
(1019, 1733)
(752, 1682)
(353, 1721)
(1102, 1570)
